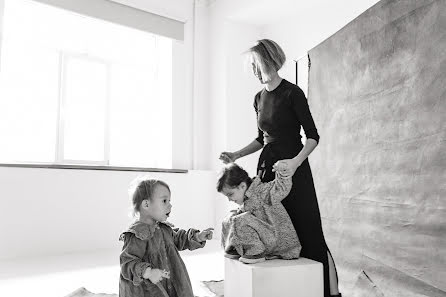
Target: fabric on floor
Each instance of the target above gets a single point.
(206, 289)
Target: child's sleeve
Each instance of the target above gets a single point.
(132, 265)
(275, 191)
(186, 239)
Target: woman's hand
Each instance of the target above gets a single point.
(205, 234)
(155, 275)
(286, 167)
(228, 157)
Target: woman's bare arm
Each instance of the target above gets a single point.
(228, 157)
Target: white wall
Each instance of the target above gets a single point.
(231, 86)
(2, 4)
(224, 92)
(57, 211)
(302, 31)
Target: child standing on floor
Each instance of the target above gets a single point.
(150, 262)
(261, 228)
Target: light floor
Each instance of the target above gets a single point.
(98, 272)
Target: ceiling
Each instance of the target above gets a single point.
(266, 12)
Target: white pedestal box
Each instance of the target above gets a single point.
(274, 278)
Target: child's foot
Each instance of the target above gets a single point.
(251, 260)
(271, 257)
(232, 256)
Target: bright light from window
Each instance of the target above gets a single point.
(85, 109)
(82, 90)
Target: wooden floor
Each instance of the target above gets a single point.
(98, 272)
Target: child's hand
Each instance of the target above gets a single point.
(286, 167)
(205, 234)
(155, 275)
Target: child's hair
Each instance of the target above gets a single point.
(232, 176)
(142, 189)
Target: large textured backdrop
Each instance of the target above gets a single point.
(377, 91)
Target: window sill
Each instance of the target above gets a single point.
(92, 167)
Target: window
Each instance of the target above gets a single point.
(79, 90)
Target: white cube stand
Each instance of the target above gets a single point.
(282, 278)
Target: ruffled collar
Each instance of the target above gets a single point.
(143, 230)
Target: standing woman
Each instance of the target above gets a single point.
(282, 109)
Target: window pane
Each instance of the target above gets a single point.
(85, 108)
(141, 111)
(28, 93)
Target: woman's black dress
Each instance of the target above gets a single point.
(280, 115)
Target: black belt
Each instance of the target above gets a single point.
(267, 139)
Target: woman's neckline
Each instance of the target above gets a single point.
(281, 81)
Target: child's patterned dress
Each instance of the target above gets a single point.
(261, 227)
(156, 247)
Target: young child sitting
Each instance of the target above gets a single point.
(261, 228)
(150, 262)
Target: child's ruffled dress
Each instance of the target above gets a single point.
(261, 227)
(155, 246)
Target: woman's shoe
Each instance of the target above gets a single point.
(251, 260)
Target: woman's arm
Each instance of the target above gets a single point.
(300, 105)
(287, 167)
(253, 147)
(309, 146)
(229, 157)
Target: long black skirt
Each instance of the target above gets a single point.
(301, 203)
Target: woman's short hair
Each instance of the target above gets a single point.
(268, 56)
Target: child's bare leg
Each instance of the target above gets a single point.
(334, 290)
